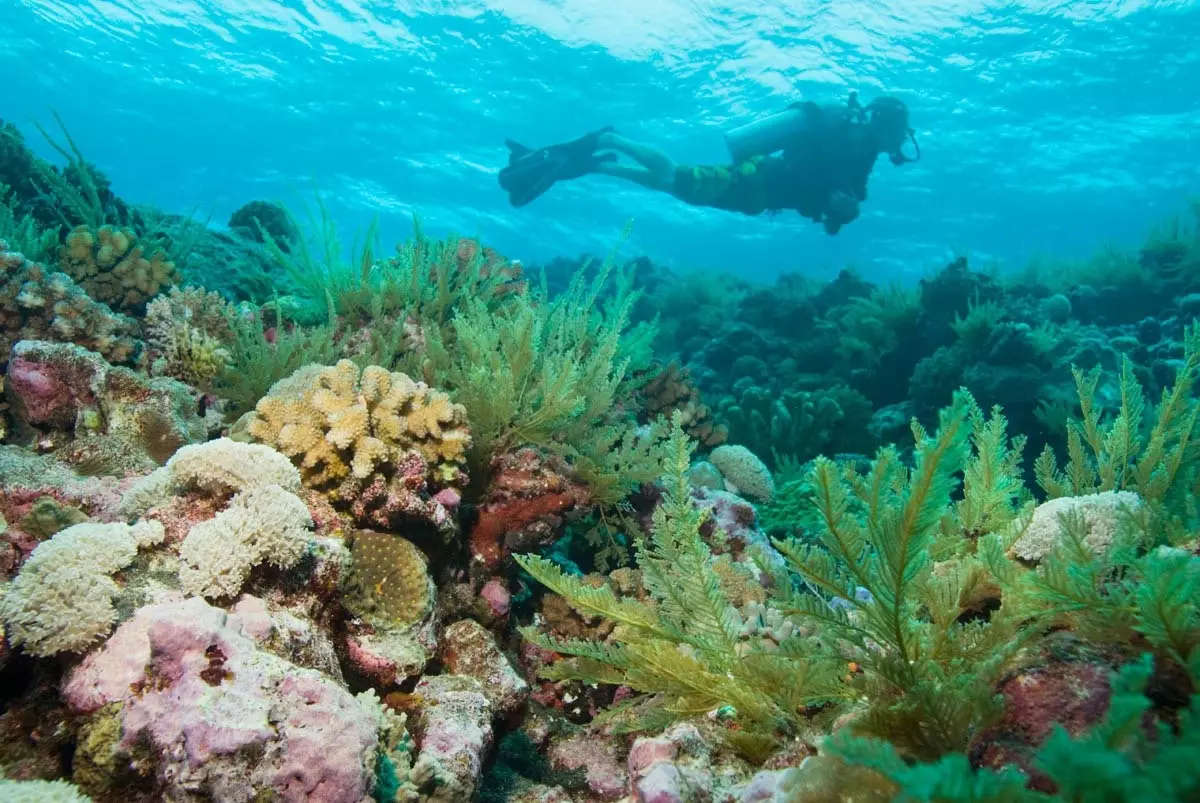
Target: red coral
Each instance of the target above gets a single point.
(523, 507)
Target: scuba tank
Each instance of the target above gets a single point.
(769, 134)
(779, 131)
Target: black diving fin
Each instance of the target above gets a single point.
(531, 172)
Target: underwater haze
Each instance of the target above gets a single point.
(1046, 127)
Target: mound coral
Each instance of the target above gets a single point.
(371, 439)
(100, 418)
(111, 267)
(1101, 513)
(39, 304)
(387, 582)
(188, 332)
(62, 599)
(744, 473)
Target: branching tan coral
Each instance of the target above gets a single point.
(110, 265)
(188, 332)
(39, 304)
(337, 421)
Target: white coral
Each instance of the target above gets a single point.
(62, 599)
(1101, 517)
(261, 525)
(217, 467)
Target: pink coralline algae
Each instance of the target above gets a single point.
(208, 712)
(597, 757)
(108, 419)
(454, 732)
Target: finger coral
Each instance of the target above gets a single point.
(113, 268)
(188, 332)
(337, 421)
(39, 304)
(371, 439)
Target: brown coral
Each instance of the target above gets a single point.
(672, 389)
(387, 581)
(110, 265)
(39, 304)
(187, 331)
(337, 422)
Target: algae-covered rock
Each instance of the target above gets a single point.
(100, 418)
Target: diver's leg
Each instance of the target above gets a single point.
(638, 175)
(659, 169)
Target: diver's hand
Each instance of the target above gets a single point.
(842, 208)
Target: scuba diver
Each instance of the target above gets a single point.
(825, 155)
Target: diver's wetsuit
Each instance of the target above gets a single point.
(834, 156)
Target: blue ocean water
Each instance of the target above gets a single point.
(1047, 127)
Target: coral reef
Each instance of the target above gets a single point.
(100, 418)
(840, 578)
(38, 304)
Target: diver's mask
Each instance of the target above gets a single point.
(888, 117)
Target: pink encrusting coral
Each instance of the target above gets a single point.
(220, 716)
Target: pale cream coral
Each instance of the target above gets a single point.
(265, 524)
(217, 467)
(62, 599)
(337, 421)
(1102, 515)
(744, 473)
